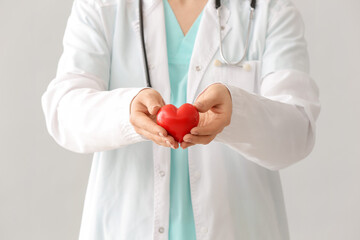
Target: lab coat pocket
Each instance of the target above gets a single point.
(243, 77)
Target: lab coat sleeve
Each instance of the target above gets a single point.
(81, 114)
(276, 128)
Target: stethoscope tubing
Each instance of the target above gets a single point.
(237, 63)
(143, 48)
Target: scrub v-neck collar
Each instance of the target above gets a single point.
(178, 28)
(179, 46)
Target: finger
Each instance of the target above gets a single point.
(163, 141)
(185, 145)
(142, 121)
(172, 142)
(152, 137)
(199, 139)
(168, 139)
(212, 128)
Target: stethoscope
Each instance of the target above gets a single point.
(217, 62)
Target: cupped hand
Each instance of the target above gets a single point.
(215, 107)
(143, 110)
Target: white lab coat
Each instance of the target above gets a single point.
(235, 188)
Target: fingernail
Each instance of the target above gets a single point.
(168, 143)
(195, 133)
(161, 134)
(188, 140)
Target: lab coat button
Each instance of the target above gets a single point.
(161, 230)
(247, 67)
(205, 230)
(222, 27)
(196, 175)
(217, 63)
(198, 68)
(162, 173)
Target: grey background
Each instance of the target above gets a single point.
(42, 186)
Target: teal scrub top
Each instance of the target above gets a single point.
(179, 51)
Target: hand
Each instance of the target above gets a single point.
(143, 110)
(215, 107)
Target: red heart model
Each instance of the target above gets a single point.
(178, 122)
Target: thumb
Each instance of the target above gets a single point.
(203, 105)
(209, 98)
(154, 109)
(154, 103)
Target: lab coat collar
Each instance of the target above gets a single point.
(206, 44)
(150, 4)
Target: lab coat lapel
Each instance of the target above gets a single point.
(206, 45)
(155, 43)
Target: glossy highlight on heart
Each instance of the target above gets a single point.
(178, 121)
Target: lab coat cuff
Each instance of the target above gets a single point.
(238, 102)
(128, 129)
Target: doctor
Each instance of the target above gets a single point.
(257, 117)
